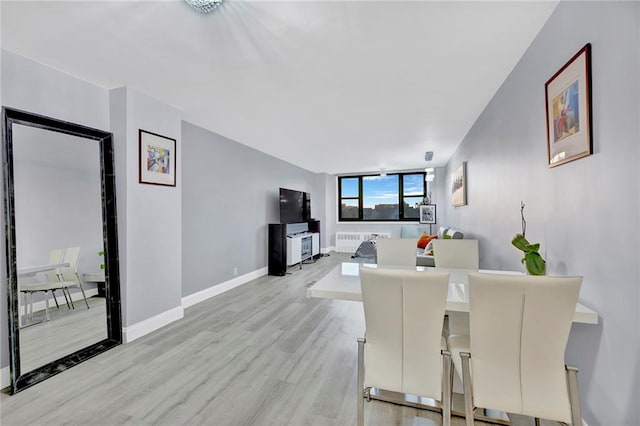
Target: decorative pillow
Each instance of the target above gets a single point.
(425, 239)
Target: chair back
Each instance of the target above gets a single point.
(396, 251)
(456, 254)
(72, 257)
(519, 331)
(55, 256)
(404, 314)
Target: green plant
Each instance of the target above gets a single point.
(534, 263)
(101, 253)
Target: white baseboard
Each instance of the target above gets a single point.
(327, 249)
(4, 377)
(41, 305)
(152, 324)
(137, 330)
(215, 290)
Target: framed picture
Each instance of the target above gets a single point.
(428, 213)
(459, 186)
(568, 105)
(157, 159)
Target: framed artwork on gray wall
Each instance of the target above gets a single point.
(428, 213)
(459, 186)
(568, 106)
(157, 159)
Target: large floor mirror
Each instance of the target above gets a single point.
(61, 245)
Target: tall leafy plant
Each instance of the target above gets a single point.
(534, 263)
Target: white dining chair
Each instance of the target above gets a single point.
(397, 252)
(456, 253)
(69, 276)
(513, 359)
(50, 285)
(403, 350)
(53, 276)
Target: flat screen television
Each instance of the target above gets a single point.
(295, 206)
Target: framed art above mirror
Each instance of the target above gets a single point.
(61, 244)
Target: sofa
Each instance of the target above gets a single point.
(444, 232)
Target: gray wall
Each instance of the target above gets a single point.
(584, 213)
(149, 216)
(30, 86)
(230, 195)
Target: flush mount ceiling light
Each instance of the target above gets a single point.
(204, 6)
(428, 156)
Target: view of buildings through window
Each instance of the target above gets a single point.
(389, 197)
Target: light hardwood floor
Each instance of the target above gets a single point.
(260, 354)
(66, 332)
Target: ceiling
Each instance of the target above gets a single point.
(330, 86)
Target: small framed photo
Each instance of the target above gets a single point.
(428, 213)
(568, 105)
(157, 159)
(459, 186)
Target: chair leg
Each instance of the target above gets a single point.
(574, 395)
(31, 306)
(360, 385)
(70, 299)
(66, 299)
(46, 306)
(447, 384)
(536, 421)
(85, 296)
(55, 299)
(466, 382)
(24, 306)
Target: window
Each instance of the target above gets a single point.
(381, 198)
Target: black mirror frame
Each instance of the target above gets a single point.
(18, 380)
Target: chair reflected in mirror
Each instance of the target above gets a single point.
(69, 277)
(51, 284)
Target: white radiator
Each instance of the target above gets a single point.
(348, 242)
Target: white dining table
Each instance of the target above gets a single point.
(30, 271)
(343, 283)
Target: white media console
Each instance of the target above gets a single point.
(301, 247)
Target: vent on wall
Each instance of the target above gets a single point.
(348, 242)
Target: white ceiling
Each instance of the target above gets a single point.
(331, 86)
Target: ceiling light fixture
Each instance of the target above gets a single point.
(204, 6)
(428, 156)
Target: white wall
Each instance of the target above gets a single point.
(33, 87)
(584, 213)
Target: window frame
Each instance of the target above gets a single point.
(360, 197)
